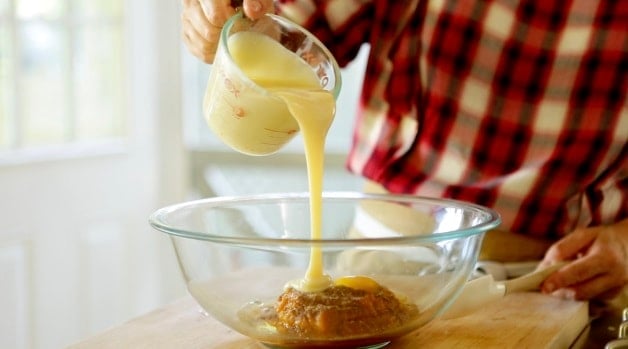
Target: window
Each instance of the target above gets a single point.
(62, 73)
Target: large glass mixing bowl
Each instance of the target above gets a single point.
(238, 254)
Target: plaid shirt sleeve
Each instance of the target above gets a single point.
(516, 105)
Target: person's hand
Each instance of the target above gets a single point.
(202, 20)
(598, 267)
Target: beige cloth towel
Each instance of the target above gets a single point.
(497, 245)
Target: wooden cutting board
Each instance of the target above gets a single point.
(519, 320)
(524, 320)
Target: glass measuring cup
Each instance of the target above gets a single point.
(246, 116)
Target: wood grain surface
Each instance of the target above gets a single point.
(520, 320)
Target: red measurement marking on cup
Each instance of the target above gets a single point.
(232, 88)
(236, 111)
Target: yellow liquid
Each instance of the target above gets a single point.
(246, 117)
(296, 88)
(311, 106)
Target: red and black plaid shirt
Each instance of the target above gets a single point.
(516, 105)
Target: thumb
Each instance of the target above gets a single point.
(570, 246)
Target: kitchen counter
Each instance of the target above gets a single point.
(524, 320)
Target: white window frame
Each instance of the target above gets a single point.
(72, 148)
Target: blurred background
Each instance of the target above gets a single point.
(101, 124)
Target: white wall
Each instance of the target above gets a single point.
(77, 255)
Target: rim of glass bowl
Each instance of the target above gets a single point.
(158, 219)
(231, 21)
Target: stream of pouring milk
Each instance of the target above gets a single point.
(313, 108)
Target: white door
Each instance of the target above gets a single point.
(90, 145)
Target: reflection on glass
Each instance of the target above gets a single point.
(6, 96)
(99, 80)
(29, 9)
(42, 73)
(64, 81)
